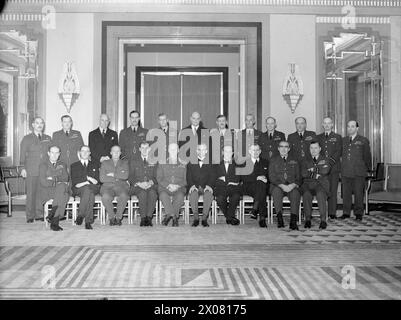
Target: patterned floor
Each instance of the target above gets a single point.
(349, 260)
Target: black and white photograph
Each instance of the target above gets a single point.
(198, 155)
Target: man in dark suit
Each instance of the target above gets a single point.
(228, 185)
(356, 162)
(219, 138)
(131, 138)
(285, 179)
(69, 141)
(191, 136)
(255, 184)
(114, 176)
(270, 139)
(85, 184)
(161, 137)
(200, 181)
(53, 181)
(142, 177)
(332, 148)
(315, 171)
(247, 136)
(34, 148)
(300, 140)
(101, 140)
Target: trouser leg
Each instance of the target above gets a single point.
(347, 184)
(30, 198)
(321, 198)
(142, 196)
(332, 200)
(193, 200)
(166, 201)
(107, 200)
(60, 200)
(260, 198)
(277, 194)
(178, 201)
(295, 199)
(207, 203)
(122, 199)
(307, 201)
(152, 198)
(359, 189)
(234, 199)
(221, 199)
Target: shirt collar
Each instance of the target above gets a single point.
(101, 130)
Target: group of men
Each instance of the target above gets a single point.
(219, 163)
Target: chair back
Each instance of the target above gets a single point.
(393, 177)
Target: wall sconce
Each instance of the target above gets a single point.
(68, 88)
(293, 88)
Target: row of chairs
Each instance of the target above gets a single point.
(245, 204)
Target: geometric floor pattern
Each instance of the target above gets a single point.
(349, 260)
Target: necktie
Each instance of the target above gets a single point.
(314, 159)
(301, 135)
(54, 165)
(134, 129)
(350, 139)
(144, 160)
(270, 136)
(285, 159)
(327, 135)
(85, 164)
(103, 133)
(67, 133)
(40, 137)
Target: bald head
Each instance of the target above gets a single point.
(195, 118)
(104, 121)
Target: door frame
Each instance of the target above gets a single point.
(141, 69)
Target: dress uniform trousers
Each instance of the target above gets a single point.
(120, 190)
(207, 202)
(234, 195)
(172, 201)
(258, 191)
(355, 185)
(146, 200)
(334, 178)
(309, 190)
(33, 207)
(60, 196)
(87, 194)
(278, 194)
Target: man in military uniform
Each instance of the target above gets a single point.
(285, 180)
(356, 162)
(53, 180)
(315, 170)
(101, 140)
(270, 139)
(131, 137)
(114, 176)
(69, 141)
(85, 183)
(247, 136)
(142, 177)
(332, 147)
(299, 141)
(34, 148)
(225, 137)
(255, 184)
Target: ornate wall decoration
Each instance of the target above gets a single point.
(293, 88)
(68, 89)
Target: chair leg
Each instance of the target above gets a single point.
(46, 213)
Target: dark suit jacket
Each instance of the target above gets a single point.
(198, 133)
(140, 172)
(321, 167)
(260, 168)
(100, 147)
(287, 172)
(243, 148)
(300, 147)
(197, 176)
(79, 173)
(230, 175)
(130, 142)
(33, 152)
(227, 139)
(59, 174)
(332, 148)
(69, 146)
(357, 159)
(270, 146)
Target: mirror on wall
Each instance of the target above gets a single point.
(353, 86)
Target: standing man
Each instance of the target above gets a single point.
(53, 180)
(200, 181)
(300, 140)
(142, 178)
(285, 179)
(114, 176)
(315, 173)
(69, 141)
(255, 184)
(226, 137)
(249, 135)
(227, 185)
(101, 140)
(132, 137)
(332, 148)
(85, 184)
(33, 151)
(196, 127)
(356, 162)
(196, 136)
(270, 139)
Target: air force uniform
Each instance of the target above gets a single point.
(130, 141)
(69, 143)
(269, 144)
(299, 144)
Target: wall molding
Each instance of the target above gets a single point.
(358, 19)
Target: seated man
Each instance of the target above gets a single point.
(255, 184)
(85, 184)
(114, 176)
(172, 181)
(315, 171)
(285, 179)
(53, 181)
(143, 182)
(228, 185)
(200, 179)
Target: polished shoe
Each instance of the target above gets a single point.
(144, 222)
(333, 217)
(149, 222)
(175, 222)
(293, 222)
(54, 225)
(344, 217)
(323, 225)
(280, 220)
(113, 222)
(39, 219)
(118, 222)
(308, 224)
(30, 221)
(204, 223)
(254, 213)
(234, 221)
(51, 214)
(79, 220)
(358, 217)
(195, 223)
(166, 220)
(262, 223)
(88, 226)
(56, 228)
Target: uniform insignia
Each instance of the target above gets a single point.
(292, 162)
(112, 138)
(277, 138)
(141, 135)
(322, 162)
(308, 138)
(74, 136)
(60, 166)
(333, 139)
(359, 143)
(93, 169)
